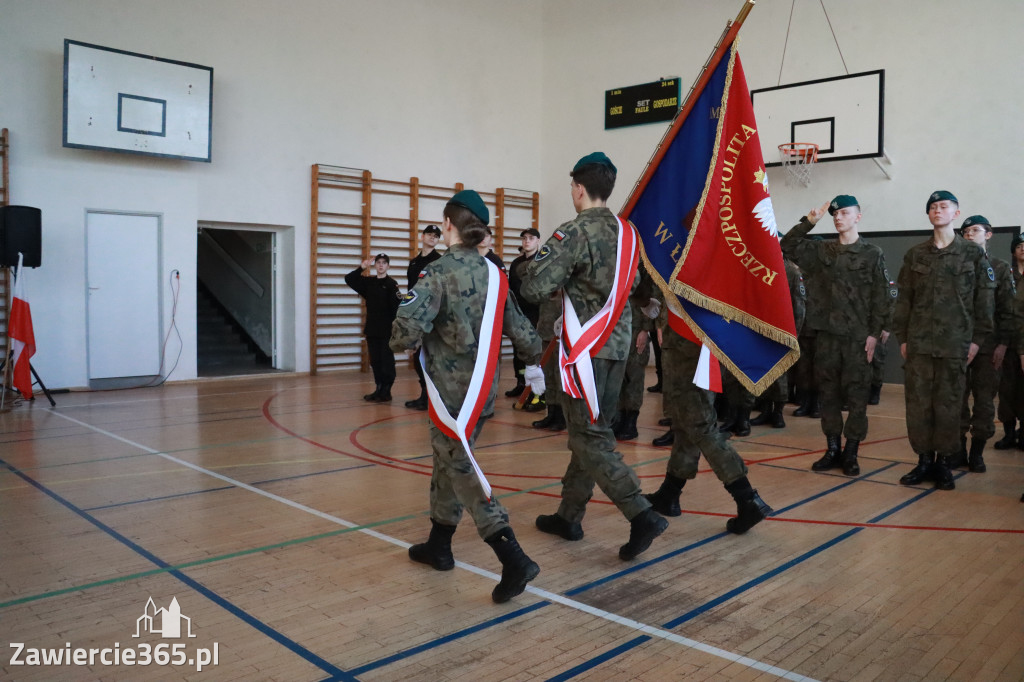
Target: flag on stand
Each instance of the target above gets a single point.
(705, 218)
(23, 340)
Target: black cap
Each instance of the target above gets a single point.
(432, 229)
(530, 230)
(1017, 241)
(382, 256)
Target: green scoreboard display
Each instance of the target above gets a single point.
(638, 104)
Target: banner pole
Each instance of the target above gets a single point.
(728, 35)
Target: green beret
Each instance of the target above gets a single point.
(469, 199)
(1017, 241)
(595, 157)
(940, 195)
(842, 201)
(976, 220)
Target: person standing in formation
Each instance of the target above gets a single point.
(458, 312)
(380, 294)
(943, 316)
(427, 255)
(531, 242)
(850, 284)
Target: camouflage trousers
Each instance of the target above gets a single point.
(594, 458)
(934, 389)
(844, 378)
(982, 383)
(878, 364)
(803, 370)
(631, 398)
(454, 486)
(552, 379)
(694, 422)
(1011, 389)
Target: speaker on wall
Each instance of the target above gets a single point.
(21, 231)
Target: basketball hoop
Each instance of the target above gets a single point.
(798, 158)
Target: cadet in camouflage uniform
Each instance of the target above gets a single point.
(1011, 381)
(943, 316)
(983, 374)
(446, 310)
(631, 399)
(848, 279)
(581, 258)
(695, 431)
(550, 310)
(778, 392)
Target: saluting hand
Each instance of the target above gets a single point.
(816, 214)
(368, 263)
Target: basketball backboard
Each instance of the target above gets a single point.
(842, 115)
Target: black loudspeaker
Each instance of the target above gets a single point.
(21, 229)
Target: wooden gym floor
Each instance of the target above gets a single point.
(276, 511)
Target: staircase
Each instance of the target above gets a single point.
(224, 349)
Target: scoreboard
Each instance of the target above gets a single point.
(639, 104)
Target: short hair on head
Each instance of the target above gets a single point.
(471, 230)
(596, 178)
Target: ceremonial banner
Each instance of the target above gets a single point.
(23, 339)
(704, 215)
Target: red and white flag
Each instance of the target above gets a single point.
(23, 340)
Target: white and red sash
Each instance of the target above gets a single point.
(579, 343)
(480, 384)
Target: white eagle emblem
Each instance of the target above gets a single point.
(763, 210)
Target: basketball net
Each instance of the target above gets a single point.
(798, 158)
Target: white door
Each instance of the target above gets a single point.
(123, 279)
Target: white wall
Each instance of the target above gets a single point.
(480, 91)
(953, 74)
(442, 90)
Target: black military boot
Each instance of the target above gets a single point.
(518, 389)
(643, 528)
(419, 403)
(943, 474)
(815, 407)
(875, 395)
(617, 420)
(517, 569)
(665, 421)
(558, 422)
(385, 394)
(546, 421)
(830, 460)
(373, 397)
(850, 465)
(750, 508)
(556, 525)
(437, 550)
(668, 439)
(728, 419)
(1008, 441)
(741, 427)
(765, 416)
(666, 500)
(959, 459)
(777, 420)
(975, 461)
(922, 472)
(627, 427)
(806, 398)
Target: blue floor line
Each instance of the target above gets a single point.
(278, 637)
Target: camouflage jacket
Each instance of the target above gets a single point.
(847, 284)
(797, 293)
(580, 257)
(445, 309)
(1005, 332)
(946, 299)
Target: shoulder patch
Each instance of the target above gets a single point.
(543, 253)
(423, 273)
(801, 289)
(991, 274)
(409, 297)
(559, 235)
